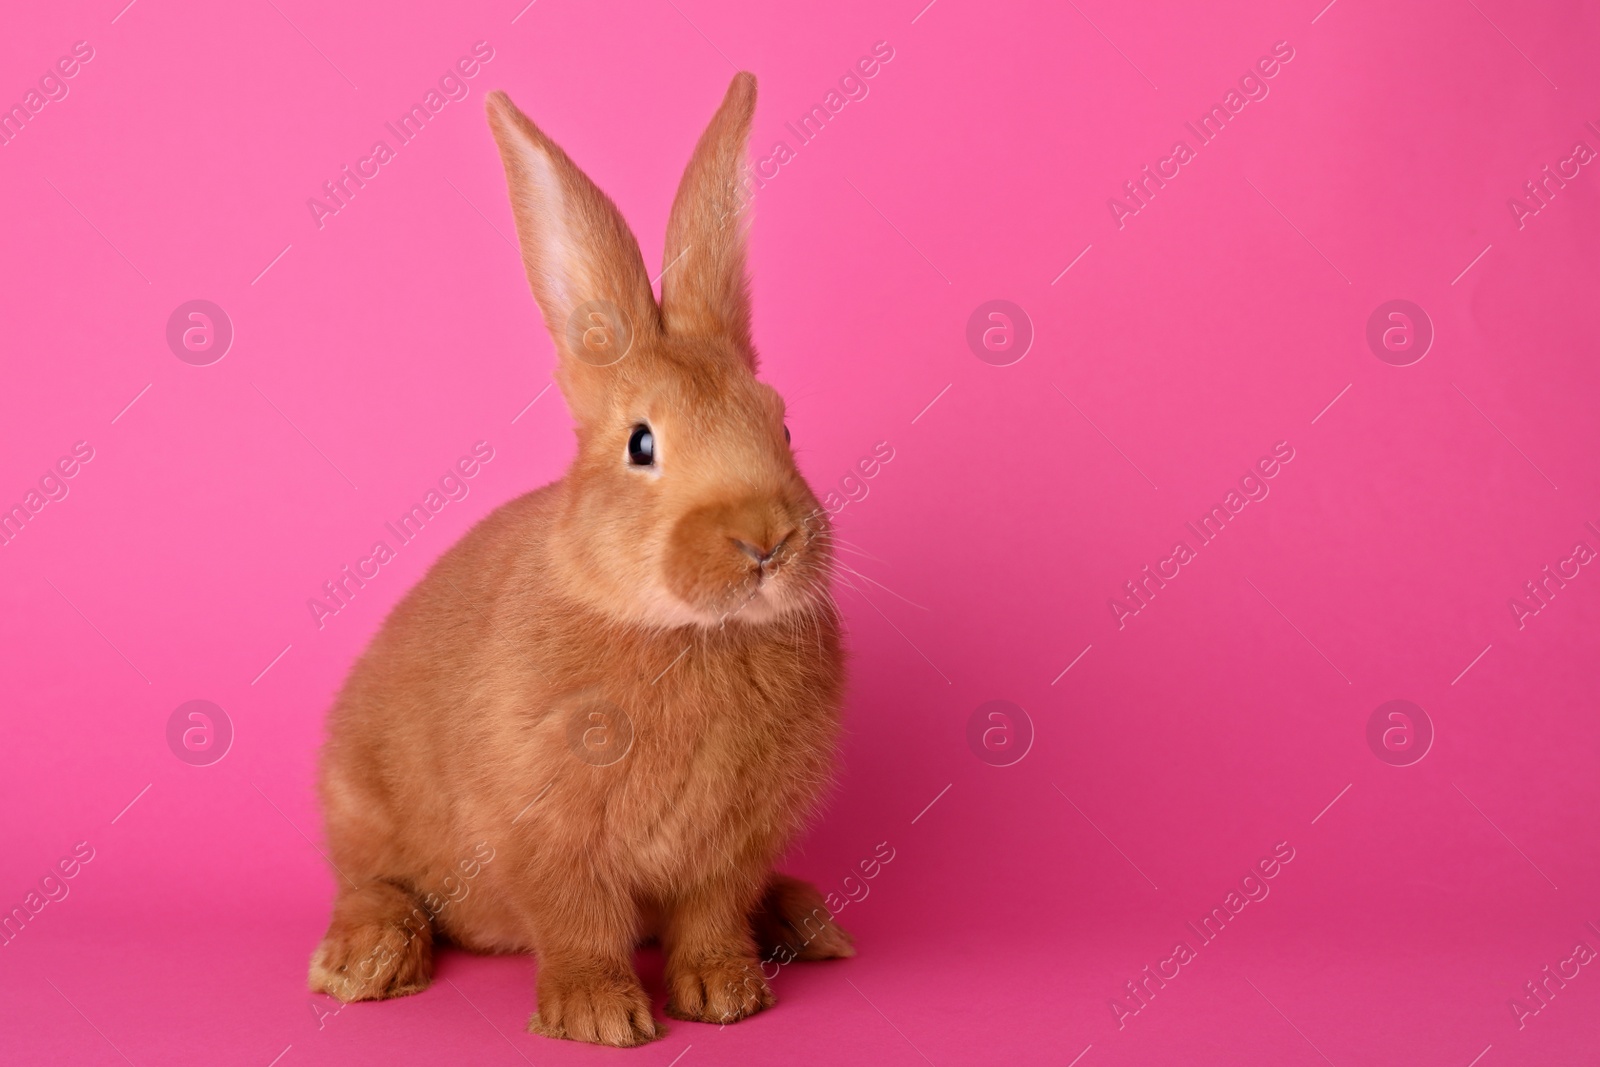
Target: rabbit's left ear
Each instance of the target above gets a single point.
(704, 291)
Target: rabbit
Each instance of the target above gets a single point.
(602, 715)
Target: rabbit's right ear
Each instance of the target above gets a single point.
(582, 259)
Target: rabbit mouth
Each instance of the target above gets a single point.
(745, 561)
(772, 586)
(764, 591)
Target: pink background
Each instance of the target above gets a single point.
(1221, 319)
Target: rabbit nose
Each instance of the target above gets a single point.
(762, 556)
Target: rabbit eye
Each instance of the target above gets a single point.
(786, 438)
(642, 447)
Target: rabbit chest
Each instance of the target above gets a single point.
(726, 761)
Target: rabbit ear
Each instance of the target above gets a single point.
(582, 260)
(703, 287)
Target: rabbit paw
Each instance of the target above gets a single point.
(603, 1011)
(372, 962)
(717, 991)
(793, 923)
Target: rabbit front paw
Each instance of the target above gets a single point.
(372, 963)
(717, 990)
(603, 1010)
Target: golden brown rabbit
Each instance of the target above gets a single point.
(604, 713)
